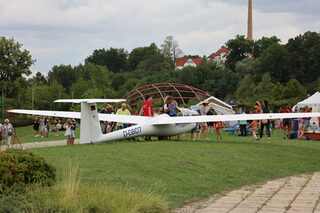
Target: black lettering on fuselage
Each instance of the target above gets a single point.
(131, 132)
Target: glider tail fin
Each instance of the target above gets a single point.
(90, 129)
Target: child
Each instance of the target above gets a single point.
(219, 125)
(254, 127)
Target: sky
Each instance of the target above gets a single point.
(67, 31)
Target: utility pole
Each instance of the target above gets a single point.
(250, 33)
(59, 99)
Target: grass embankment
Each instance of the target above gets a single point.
(68, 195)
(26, 135)
(184, 171)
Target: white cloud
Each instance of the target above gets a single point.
(67, 31)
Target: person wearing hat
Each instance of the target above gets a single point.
(203, 125)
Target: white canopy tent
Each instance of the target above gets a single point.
(313, 102)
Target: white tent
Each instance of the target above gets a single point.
(312, 102)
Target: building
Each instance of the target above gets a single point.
(184, 62)
(220, 56)
(237, 107)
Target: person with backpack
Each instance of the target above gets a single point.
(265, 122)
(8, 131)
(287, 122)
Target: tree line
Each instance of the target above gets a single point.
(254, 70)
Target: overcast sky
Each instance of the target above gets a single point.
(67, 31)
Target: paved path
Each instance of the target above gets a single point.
(299, 194)
(42, 144)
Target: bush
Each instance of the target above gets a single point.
(20, 120)
(71, 196)
(19, 168)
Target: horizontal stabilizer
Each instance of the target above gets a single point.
(89, 100)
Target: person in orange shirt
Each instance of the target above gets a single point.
(254, 127)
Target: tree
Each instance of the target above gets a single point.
(274, 61)
(14, 62)
(140, 54)
(239, 48)
(249, 66)
(114, 59)
(304, 57)
(170, 48)
(262, 44)
(64, 75)
(245, 90)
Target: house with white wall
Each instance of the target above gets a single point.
(184, 62)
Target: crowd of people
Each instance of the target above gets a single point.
(43, 126)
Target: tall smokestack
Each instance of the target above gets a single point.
(250, 35)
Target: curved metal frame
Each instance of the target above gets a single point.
(162, 88)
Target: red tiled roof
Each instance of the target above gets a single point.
(223, 49)
(197, 61)
(181, 61)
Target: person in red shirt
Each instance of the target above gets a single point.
(147, 106)
(305, 123)
(287, 122)
(219, 125)
(147, 110)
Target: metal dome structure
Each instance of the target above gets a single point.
(180, 92)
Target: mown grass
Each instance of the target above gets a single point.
(185, 171)
(26, 135)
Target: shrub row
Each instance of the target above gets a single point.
(19, 168)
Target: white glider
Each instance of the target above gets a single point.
(162, 125)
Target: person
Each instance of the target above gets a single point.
(71, 123)
(286, 122)
(104, 124)
(254, 127)
(257, 107)
(210, 124)
(57, 127)
(122, 111)
(203, 125)
(42, 126)
(219, 126)
(172, 113)
(265, 122)
(36, 124)
(166, 106)
(193, 132)
(173, 109)
(243, 128)
(305, 123)
(47, 126)
(8, 131)
(147, 110)
(1, 134)
(110, 125)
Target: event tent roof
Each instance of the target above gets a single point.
(314, 99)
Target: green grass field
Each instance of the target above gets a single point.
(185, 171)
(26, 135)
